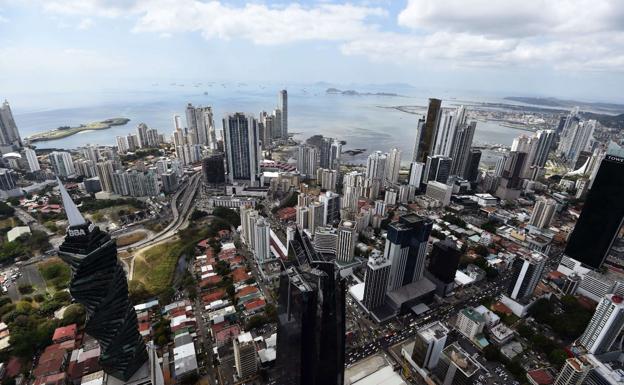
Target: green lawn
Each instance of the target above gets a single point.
(155, 266)
(56, 274)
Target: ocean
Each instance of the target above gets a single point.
(363, 121)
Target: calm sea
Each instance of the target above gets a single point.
(362, 121)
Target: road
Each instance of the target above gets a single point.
(31, 221)
(440, 313)
(181, 204)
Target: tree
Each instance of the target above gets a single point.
(6, 210)
(491, 353)
(74, 314)
(558, 357)
(25, 288)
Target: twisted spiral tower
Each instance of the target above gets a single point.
(99, 284)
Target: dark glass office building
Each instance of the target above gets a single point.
(444, 260)
(99, 284)
(311, 326)
(427, 132)
(421, 229)
(213, 169)
(603, 213)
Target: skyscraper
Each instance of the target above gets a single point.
(242, 148)
(526, 274)
(307, 160)
(437, 168)
(461, 148)
(426, 134)
(416, 173)
(428, 345)
(605, 325)
(213, 169)
(105, 172)
(602, 217)
(393, 165)
(282, 104)
(9, 135)
(31, 157)
(406, 249)
(574, 372)
(543, 212)
(446, 135)
(376, 281)
(444, 260)
(471, 173)
(245, 359)
(331, 207)
(545, 139)
(62, 163)
(142, 135)
(262, 240)
(347, 238)
(99, 284)
(311, 325)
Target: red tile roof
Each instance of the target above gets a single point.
(541, 376)
(246, 291)
(51, 361)
(240, 274)
(210, 281)
(255, 304)
(213, 296)
(65, 333)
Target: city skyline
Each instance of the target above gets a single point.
(528, 48)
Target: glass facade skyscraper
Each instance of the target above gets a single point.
(602, 217)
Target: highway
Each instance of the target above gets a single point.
(181, 205)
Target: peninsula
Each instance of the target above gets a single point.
(65, 131)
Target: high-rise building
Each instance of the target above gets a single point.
(329, 154)
(242, 148)
(406, 249)
(31, 157)
(99, 284)
(261, 248)
(440, 192)
(376, 281)
(416, 173)
(456, 366)
(326, 178)
(426, 133)
(444, 260)
(461, 148)
(575, 138)
(213, 169)
(331, 207)
(601, 219)
(325, 240)
(543, 212)
(9, 135)
(307, 160)
(245, 360)
(7, 179)
(437, 168)
(574, 372)
(347, 238)
(472, 166)
(311, 326)
(303, 217)
(142, 135)
(277, 123)
(526, 274)
(428, 345)
(511, 176)
(605, 325)
(545, 140)
(105, 172)
(393, 165)
(376, 165)
(316, 216)
(266, 126)
(62, 163)
(282, 105)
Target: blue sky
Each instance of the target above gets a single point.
(563, 48)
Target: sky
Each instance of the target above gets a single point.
(565, 48)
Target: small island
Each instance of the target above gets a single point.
(65, 131)
(335, 91)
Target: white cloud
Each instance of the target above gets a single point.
(85, 23)
(53, 61)
(564, 34)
